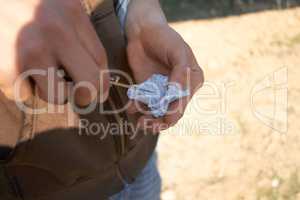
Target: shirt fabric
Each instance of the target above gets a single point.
(147, 186)
(122, 8)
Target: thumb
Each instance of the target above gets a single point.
(186, 70)
(14, 87)
(180, 64)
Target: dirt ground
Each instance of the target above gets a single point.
(239, 138)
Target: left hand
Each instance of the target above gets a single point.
(159, 49)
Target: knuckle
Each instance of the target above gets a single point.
(56, 32)
(53, 26)
(34, 50)
(73, 6)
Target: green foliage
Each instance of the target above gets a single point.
(186, 9)
(195, 9)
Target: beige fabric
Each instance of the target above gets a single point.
(18, 126)
(90, 5)
(11, 122)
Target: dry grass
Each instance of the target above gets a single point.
(250, 161)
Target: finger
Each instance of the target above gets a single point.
(137, 107)
(89, 39)
(175, 111)
(50, 83)
(189, 75)
(154, 125)
(186, 70)
(85, 72)
(189, 79)
(53, 90)
(137, 57)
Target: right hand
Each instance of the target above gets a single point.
(41, 34)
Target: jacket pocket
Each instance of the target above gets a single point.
(59, 153)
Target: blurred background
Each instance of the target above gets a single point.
(239, 137)
(201, 9)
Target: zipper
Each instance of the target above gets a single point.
(121, 137)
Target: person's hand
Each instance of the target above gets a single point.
(44, 34)
(154, 47)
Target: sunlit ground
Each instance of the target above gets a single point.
(239, 138)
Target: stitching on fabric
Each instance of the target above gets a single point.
(34, 115)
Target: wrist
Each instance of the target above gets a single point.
(143, 15)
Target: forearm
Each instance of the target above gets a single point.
(143, 14)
